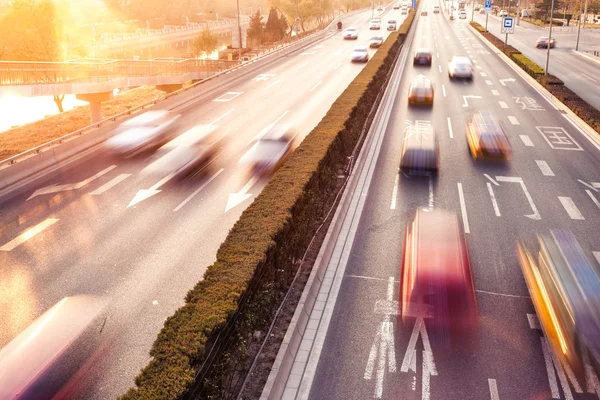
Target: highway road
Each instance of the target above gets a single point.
(552, 182)
(92, 228)
(579, 73)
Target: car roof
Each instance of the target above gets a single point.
(377, 38)
(421, 82)
(361, 48)
(278, 132)
(487, 123)
(461, 59)
(417, 138)
(423, 50)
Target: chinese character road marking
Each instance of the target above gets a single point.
(558, 138)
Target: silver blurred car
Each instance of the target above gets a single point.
(270, 151)
(460, 67)
(359, 54)
(375, 41)
(148, 130)
(350, 34)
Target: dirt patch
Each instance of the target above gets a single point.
(23, 138)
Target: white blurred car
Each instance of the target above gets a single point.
(350, 34)
(462, 14)
(269, 151)
(360, 54)
(375, 24)
(436, 9)
(503, 13)
(397, 6)
(375, 42)
(460, 67)
(148, 130)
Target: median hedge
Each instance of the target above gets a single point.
(262, 249)
(554, 85)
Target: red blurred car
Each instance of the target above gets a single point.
(437, 278)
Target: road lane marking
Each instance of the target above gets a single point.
(493, 197)
(495, 93)
(515, 179)
(28, 234)
(564, 372)
(526, 140)
(301, 66)
(592, 186)
(488, 82)
(491, 179)
(493, 389)
(268, 127)
(503, 104)
(444, 90)
(227, 97)
(339, 65)
(589, 77)
(593, 198)
(463, 208)
(395, 191)
(272, 84)
(597, 256)
(430, 193)
(440, 68)
(450, 129)
(478, 67)
(570, 207)
(110, 184)
(316, 86)
(544, 167)
(516, 296)
(437, 55)
(558, 138)
(513, 120)
(483, 74)
(596, 184)
(191, 196)
(70, 186)
(550, 369)
(534, 322)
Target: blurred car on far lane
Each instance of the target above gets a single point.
(380, 9)
(391, 25)
(360, 54)
(375, 24)
(404, 11)
(143, 132)
(486, 138)
(397, 6)
(482, 11)
(436, 275)
(503, 13)
(420, 91)
(544, 41)
(375, 41)
(270, 150)
(424, 13)
(436, 9)
(460, 67)
(420, 151)
(462, 14)
(350, 34)
(477, 7)
(565, 291)
(422, 57)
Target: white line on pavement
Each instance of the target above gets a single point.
(493, 389)
(272, 84)
(513, 120)
(570, 207)
(339, 65)
(191, 196)
(450, 133)
(534, 322)
(440, 68)
(437, 55)
(495, 93)
(544, 167)
(301, 66)
(483, 74)
(592, 186)
(593, 198)
(503, 104)
(550, 369)
(463, 208)
(589, 77)
(526, 140)
(516, 296)
(221, 117)
(478, 67)
(266, 128)
(596, 255)
(489, 178)
(444, 90)
(28, 234)
(488, 82)
(316, 86)
(493, 197)
(395, 191)
(108, 185)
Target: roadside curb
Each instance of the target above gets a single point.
(577, 122)
(587, 56)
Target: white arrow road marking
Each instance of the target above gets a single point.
(110, 184)
(410, 358)
(470, 96)
(237, 198)
(503, 81)
(70, 186)
(489, 178)
(593, 198)
(493, 197)
(144, 194)
(588, 185)
(28, 234)
(191, 196)
(516, 179)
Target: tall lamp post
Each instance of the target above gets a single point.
(239, 26)
(549, 37)
(579, 24)
(472, 10)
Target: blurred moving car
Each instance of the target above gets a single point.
(396, 6)
(462, 14)
(544, 41)
(503, 13)
(146, 131)
(359, 54)
(270, 151)
(436, 9)
(487, 139)
(420, 151)
(436, 273)
(422, 57)
(477, 7)
(482, 11)
(391, 25)
(423, 13)
(404, 11)
(420, 92)
(565, 291)
(375, 24)
(375, 42)
(350, 34)
(460, 67)
(379, 8)
(43, 358)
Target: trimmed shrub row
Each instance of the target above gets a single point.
(554, 85)
(261, 251)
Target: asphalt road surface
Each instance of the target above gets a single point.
(548, 184)
(96, 234)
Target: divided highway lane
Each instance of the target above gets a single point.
(579, 74)
(92, 229)
(552, 182)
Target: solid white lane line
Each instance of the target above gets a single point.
(596, 202)
(272, 84)
(488, 82)
(474, 61)
(444, 90)
(339, 65)
(526, 140)
(493, 389)
(495, 93)
(570, 207)
(513, 120)
(450, 129)
(589, 77)
(550, 369)
(534, 322)
(395, 191)
(503, 104)
(596, 255)
(110, 184)
(221, 117)
(316, 86)
(301, 66)
(28, 234)
(440, 68)
(483, 74)
(544, 167)
(493, 197)
(588, 185)
(191, 196)
(463, 208)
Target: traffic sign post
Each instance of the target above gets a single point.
(508, 26)
(487, 10)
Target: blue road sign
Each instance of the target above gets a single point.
(508, 25)
(488, 3)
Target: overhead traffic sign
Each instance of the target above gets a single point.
(488, 6)
(508, 25)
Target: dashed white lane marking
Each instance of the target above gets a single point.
(503, 104)
(596, 202)
(493, 389)
(191, 196)
(437, 55)
(316, 86)
(227, 97)
(589, 77)
(339, 65)
(483, 74)
(272, 84)
(474, 61)
(516, 296)
(495, 93)
(513, 120)
(395, 191)
(463, 208)
(478, 67)
(440, 68)
(488, 82)
(544, 167)
(450, 129)
(526, 140)
(596, 255)
(28, 234)
(436, 45)
(108, 185)
(444, 90)
(534, 322)
(493, 197)
(570, 207)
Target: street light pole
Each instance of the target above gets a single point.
(297, 19)
(472, 10)
(372, 9)
(509, 4)
(239, 26)
(585, 13)
(579, 26)
(549, 37)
